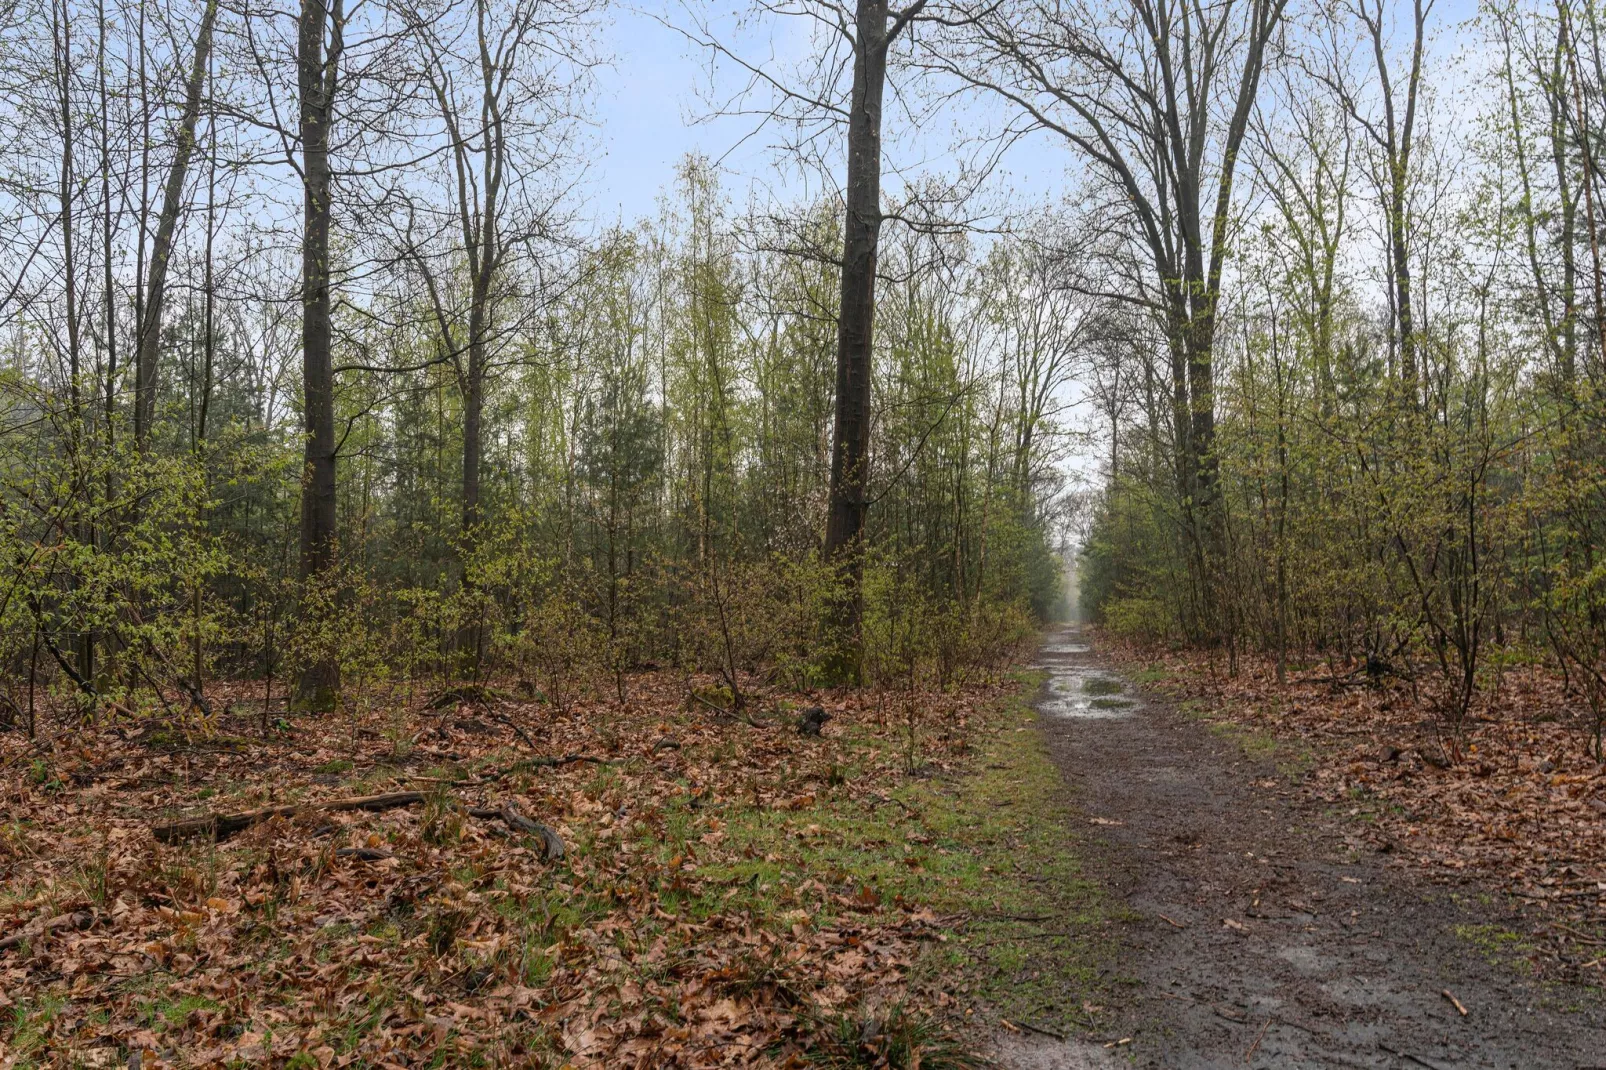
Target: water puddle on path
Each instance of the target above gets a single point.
(1062, 647)
(1090, 694)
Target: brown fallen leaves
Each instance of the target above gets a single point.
(422, 936)
(1511, 796)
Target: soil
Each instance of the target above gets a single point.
(1262, 932)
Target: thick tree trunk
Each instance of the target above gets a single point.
(320, 679)
(850, 446)
(150, 330)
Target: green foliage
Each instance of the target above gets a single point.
(653, 490)
(1144, 619)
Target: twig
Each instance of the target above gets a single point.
(1408, 1057)
(1250, 1054)
(505, 719)
(1030, 1028)
(1170, 921)
(1455, 1002)
(1578, 937)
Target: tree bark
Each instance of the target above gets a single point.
(850, 444)
(320, 678)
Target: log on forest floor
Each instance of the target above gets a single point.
(222, 826)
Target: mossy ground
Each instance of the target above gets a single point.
(990, 850)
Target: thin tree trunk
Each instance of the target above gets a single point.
(150, 327)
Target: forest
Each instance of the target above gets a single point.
(446, 622)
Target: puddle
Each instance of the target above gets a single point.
(1077, 690)
(1065, 648)
(1092, 695)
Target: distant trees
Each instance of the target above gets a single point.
(841, 89)
(1156, 99)
(1411, 399)
(1345, 357)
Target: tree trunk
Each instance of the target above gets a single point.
(320, 679)
(850, 445)
(150, 327)
(471, 635)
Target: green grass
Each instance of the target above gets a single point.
(991, 853)
(1291, 759)
(30, 1027)
(1154, 674)
(165, 1014)
(1500, 946)
(1102, 685)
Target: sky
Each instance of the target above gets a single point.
(653, 110)
(649, 110)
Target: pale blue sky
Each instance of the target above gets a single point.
(652, 96)
(650, 99)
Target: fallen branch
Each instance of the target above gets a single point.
(222, 826)
(525, 764)
(528, 742)
(78, 919)
(734, 715)
(551, 842)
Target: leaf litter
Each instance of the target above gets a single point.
(421, 935)
(1508, 797)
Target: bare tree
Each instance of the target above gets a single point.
(150, 320)
(506, 85)
(858, 38)
(1156, 96)
(875, 27)
(1391, 128)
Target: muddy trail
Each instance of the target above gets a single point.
(1263, 933)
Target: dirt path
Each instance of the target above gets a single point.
(1262, 937)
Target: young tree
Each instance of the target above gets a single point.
(507, 85)
(150, 319)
